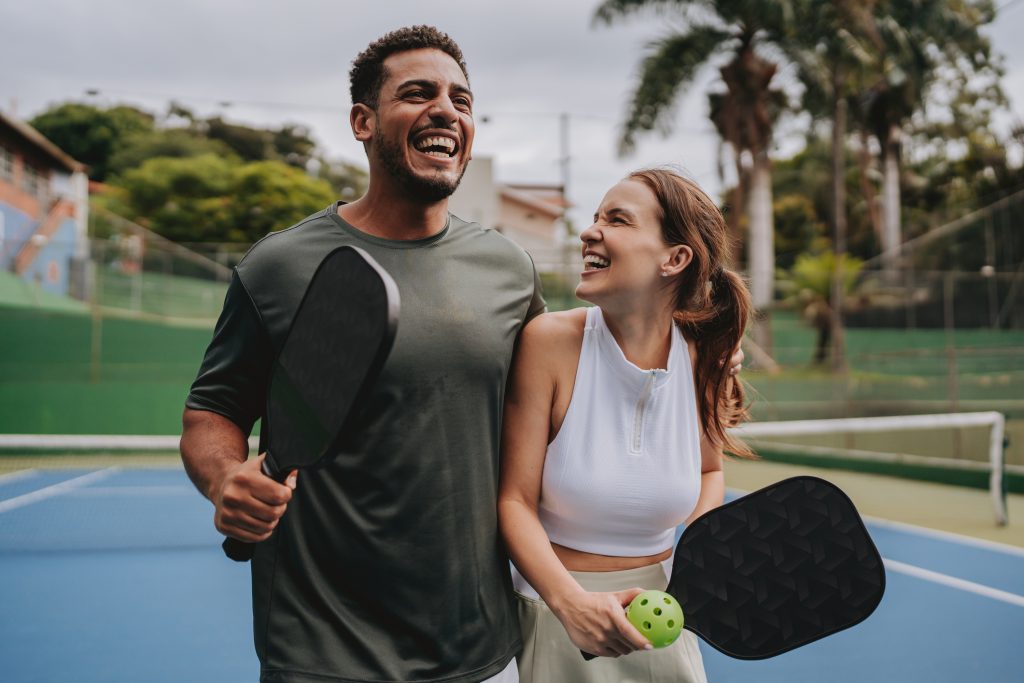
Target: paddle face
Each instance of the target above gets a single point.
(339, 339)
(777, 569)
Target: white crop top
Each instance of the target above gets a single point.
(624, 470)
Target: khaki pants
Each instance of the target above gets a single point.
(550, 657)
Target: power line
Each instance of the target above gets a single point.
(92, 92)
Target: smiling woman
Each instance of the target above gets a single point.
(614, 430)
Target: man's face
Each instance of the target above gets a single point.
(423, 131)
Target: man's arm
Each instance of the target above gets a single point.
(248, 503)
(225, 401)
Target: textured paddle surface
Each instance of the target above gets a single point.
(339, 339)
(777, 569)
(342, 333)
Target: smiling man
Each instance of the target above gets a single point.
(388, 564)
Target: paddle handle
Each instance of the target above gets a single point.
(237, 550)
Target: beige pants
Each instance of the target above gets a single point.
(550, 657)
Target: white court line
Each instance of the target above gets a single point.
(947, 536)
(953, 582)
(142, 491)
(926, 532)
(15, 476)
(55, 490)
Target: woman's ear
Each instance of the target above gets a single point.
(679, 258)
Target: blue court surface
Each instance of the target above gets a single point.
(117, 575)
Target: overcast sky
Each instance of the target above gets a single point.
(279, 62)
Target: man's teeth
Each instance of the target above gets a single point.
(440, 147)
(595, 261)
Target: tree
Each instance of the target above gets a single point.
(916, 41)
(834, 42)
(744, 114)
(162, 142)
(270, 195)
(210, 198)
(812, 279)
(90, 134)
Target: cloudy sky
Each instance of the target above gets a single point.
(278, 62)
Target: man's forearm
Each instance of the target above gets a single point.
(211, 446)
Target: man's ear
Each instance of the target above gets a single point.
(363, 120)
(679, 258)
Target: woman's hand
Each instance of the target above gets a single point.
(596, 623)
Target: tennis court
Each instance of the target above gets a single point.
(112, 571)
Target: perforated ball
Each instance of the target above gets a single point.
(658, 616)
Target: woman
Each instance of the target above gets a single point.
(614, 429)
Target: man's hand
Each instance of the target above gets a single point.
(596, 623)
(249, 503)
(736, 362)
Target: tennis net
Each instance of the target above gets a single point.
(965, 449)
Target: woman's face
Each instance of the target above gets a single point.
(624, 253)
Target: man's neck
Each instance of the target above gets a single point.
(388, 214)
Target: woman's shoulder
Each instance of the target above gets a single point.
(556, 326)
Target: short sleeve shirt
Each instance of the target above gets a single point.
(387, 565)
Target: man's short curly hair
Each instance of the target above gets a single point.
(368, 73)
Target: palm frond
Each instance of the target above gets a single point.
(672, 63)
(611, 10)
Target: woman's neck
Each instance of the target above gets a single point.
(644, 335)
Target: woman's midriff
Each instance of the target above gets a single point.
(579, 561)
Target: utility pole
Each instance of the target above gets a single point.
(564, 162)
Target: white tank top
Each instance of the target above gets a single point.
(624, 470)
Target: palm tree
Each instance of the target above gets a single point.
(744, 114)
(915, 40)
(811, 281)
(834, 44)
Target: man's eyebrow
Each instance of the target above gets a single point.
(432, 85)
(417, 82)
(463, 90)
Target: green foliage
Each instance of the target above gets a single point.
(90, 134)
(251, 144)
(807, 174)
(271, 195)
(168, 142)
(210, 198)
(812, 274)
(707, 29)
(797, 229)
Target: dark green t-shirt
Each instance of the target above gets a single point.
(387, 565)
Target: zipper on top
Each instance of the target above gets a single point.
(636, 443)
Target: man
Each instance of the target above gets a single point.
(388, 565)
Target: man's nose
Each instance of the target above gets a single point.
(443, 111)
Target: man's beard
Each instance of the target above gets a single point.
(427, 190)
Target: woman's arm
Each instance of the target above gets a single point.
(595, 622)
(712, 479)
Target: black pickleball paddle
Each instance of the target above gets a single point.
(776, 569)
(339, 339)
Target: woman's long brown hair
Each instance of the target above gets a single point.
(712, 303)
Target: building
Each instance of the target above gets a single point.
(44, 205)
(528, 214)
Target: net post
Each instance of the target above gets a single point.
(997, 482)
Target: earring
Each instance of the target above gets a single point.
(664, 273)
